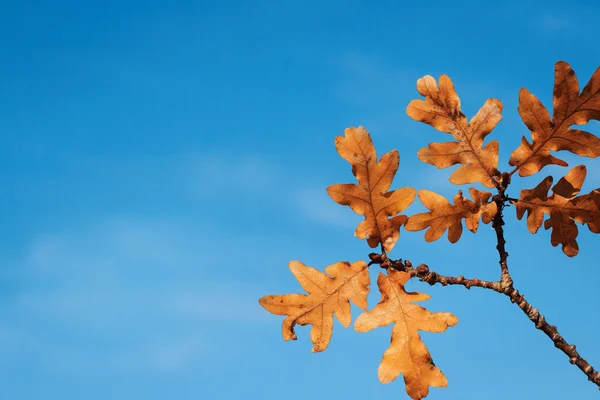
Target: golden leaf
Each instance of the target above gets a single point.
(407, 354)
(326, 296)
(444, 215)
(564, 208)
(570, 108)
(441, 109)
(369, 197)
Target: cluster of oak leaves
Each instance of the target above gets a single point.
(407, 354)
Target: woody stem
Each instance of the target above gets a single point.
(497, 225)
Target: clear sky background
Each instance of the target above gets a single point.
(161, 162)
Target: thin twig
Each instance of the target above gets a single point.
(422, 272)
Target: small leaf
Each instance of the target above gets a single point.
(564, 208)
(326, 296)
(370, 197)
(441, 109)
(407, 354)
(570, 108)
(444, 215)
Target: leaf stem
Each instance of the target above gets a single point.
(515, 169)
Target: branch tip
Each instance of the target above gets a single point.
(503, 286)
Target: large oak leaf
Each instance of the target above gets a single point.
(570, 108)
(407, 354)
(441, 109)
(370, 197)
(564, 208)
(444, 215)
(327, 296)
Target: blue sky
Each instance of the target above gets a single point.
(163, 161)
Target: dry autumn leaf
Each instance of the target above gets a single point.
(326, 296)
(570, 108)
(370, 197)
(564, 208)
(407, 354)
(441, 109)
(444, 215)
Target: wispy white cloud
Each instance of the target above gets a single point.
(553, 23)
(229, 301)
(122, 285)
(176, 355)
(215, 174)
(319, 207)
(111, 248)
(368, 80)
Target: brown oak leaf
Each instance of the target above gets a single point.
(326, 296)
(407, 354)
(441, 109)
(370, 197)
(444, 215)
(570, 108)
(564, 208)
